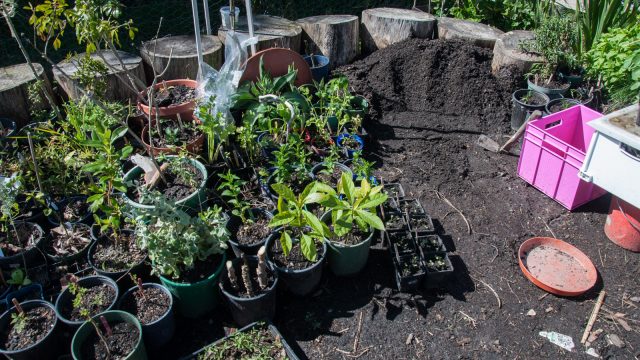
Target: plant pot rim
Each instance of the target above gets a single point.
(199, 139)
(200, 282)
(326, 217)
(177, 108)
(321, 165)
(92, 249)
(566, 86)
(148, 285)
(266, 292)
(23, 304)
(252, 209)
(37, 244)
(285, 270)
(518, 94)
(131, 319)
(136, 169)
(102, 278)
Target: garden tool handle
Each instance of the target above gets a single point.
(534, 115)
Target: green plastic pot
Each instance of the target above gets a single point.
(190, 202)
(195, 299)
(113, 316)
(345, 260)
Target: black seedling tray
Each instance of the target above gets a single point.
(436, 278)
(421, 224)
(394, 190)
(429, 244)
(411, 207)
(409, 281)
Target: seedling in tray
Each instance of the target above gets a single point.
(430, 243)
(402, 243)
(395, 191)
(409, 272)
(394, 221)
(439, 268)
(411, 207)
(421, 224)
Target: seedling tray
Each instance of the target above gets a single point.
(394, 190)
(395, 221)
(429, 244)
(409, 281)
(411, 207)
(421, 224)
(403, 243)
(436, 278)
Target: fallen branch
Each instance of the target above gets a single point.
(593, 317)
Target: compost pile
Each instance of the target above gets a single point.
(427, 82)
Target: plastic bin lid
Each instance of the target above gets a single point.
(620, 125)
(556, 266)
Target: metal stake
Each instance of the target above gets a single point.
(196, 26)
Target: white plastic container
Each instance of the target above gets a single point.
(225, 11)
(613, 159)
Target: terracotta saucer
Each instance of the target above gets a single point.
(277, 61)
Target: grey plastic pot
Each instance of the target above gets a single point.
(346, 260)
(566, 103)
(551, 93)
(248, 310)
(46, 348)
(298, 282)
(160, 331)
(521, 110)
(233, 225)
(65, 298)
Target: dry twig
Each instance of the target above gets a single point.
(443, 198)
(593, 317)
(492, 290)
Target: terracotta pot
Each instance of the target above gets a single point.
(276, 62)
(185, 109)
(194, 147)
(623, 225)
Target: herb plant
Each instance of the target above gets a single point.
(232, 188)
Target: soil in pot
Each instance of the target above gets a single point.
(28, 235)
(148, 304)
(75, 210)
(200, 271)
(436, 262)
(115, 256)
(330, 177)
(403, 242)
(68, 240)
(174, 135)
(295, 260)
(181, 182)
(553, 84)
(257, 342)
(350, 143)
(394, 221)
(430, 243)
(253, 230)
(409, 265)
(534, 99)
(96, 299)
(32, 327)
(412, 207)
(421, 224)
(173, 95)
(354, 237)
(561, 104)
(121, 342)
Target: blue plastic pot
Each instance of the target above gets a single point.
(160, 331)
(320, 67)
(350, 152)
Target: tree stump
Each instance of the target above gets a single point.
(116, 89)
(474, 32)
(507, 53)
(334, 36)
(272, 31)
(14, 94)
(184, 58)
(382, 27)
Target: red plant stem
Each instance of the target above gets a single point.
(17, 305)
(106, 326)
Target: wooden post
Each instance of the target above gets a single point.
(116, 91)
(473, 32)
(382, 27)
(272, 31)
(184, 58)
(14, 94)
(507, 52)
(334, 36)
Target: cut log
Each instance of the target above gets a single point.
(507, 53)
(334, 36)
(272, 31)
(382, 27)
(14, 94)
(116, 89)
(184, 58)
(473, 32)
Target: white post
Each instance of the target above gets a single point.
(250, 24)
(207, 21)
(196, 25)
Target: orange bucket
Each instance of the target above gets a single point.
(623, 225)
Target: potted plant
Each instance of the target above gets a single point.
(84, 298)
(394, 221)
(330, 171)
(152, 305)
(411, 207)
(420, 224)
(556, 105)
(350, 143)
(429, 244)
(170, 99)
(68, 242)
(116, 334)
(290, 167)
(250, 288)
(352, 220)
(71, 210)
(248, 226)
(409, 271)
(170, 136)
(402, 243)
(30, 329)
(254, 340)
(186, 252)
(526, 102)
(393, 190)
(439, 268)
(292, 248)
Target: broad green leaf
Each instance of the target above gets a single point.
(284, 191)
(348, 188)
(373, 202)
(371, 219)
(313, 222)
(285, 242)
(282, 218)
(308, 248)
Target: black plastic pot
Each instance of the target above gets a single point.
(574, 80)
(394, 190)
(124, 281)
(411, 207)
(67, 259)
(65, 298)
(24, 293)
(159, 332)
(317, 168)
(298, 282)
(319, 66)
(86, 219)
(291, 355)
(398, 225)
(248, 310)
(33, 256)
(407, 282)
(426, 228)
(564, 103)
(521, 110)
(403, 243)
(429, 244)
(436, 278)
(10, 126)
(46, 348)
(234, 224)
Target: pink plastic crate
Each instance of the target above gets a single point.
(552, 153)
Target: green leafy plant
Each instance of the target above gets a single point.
(353, 206)
(232, 188)
(19, 321)
(19, 278)
(362, 168)
(175, 240)
(297, 222)
(218, 129)
(596, 17)
(92, 74)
